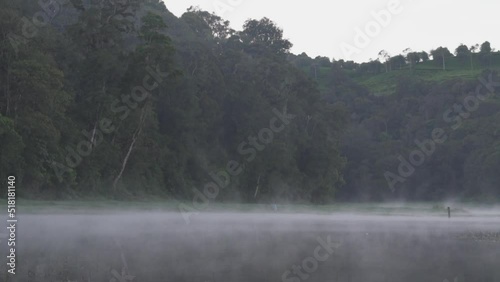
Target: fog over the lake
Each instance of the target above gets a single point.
(258, 246)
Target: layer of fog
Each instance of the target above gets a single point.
(257, 246)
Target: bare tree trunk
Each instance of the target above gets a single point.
(94, 130)
(444, 64)
(93, 133)
(195, 68)
(135, 136)
(257, 188)
(307, 125)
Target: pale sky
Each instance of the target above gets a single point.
(328, 28)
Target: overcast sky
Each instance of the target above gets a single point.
(330, 28)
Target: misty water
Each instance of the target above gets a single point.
(256, 246)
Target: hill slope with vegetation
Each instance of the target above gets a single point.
(395, 105)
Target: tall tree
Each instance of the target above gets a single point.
(485, 48)
(485, 53)
(411, 57)
(384, 57)
(462, 52)
(440, 55)
(265, 35)
(155, 50)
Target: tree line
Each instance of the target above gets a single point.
(125, 100)
(481, 55)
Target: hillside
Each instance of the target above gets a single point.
(385, 83)
(393, 113)
(382, 82)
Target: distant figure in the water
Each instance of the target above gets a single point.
(449, 212)
(275, 207)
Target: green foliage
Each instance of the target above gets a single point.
(264, 35)
(12, 147)
(462, 51)
(219, 88)
(126, 100)
(396, 107)
(485, 48)
(441, 52)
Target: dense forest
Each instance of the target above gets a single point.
(121, 99)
